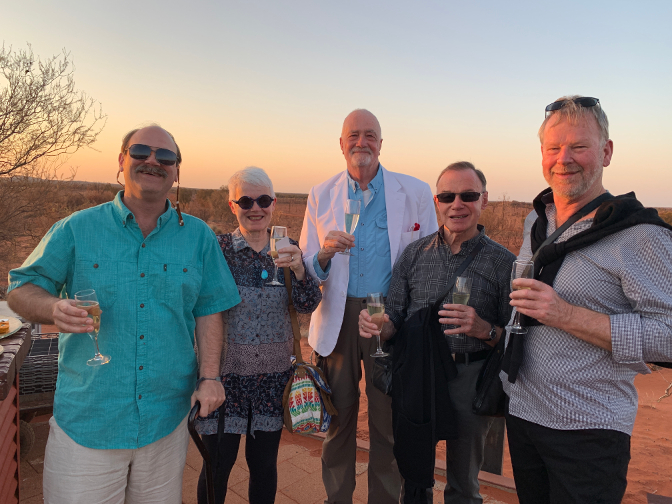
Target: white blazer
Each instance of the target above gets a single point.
(408, 201)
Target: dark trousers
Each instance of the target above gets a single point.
(261, 453)
(567, 467)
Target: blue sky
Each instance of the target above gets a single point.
(269, 83)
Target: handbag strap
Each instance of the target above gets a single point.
(580, 214)
(458, 272)
(293, 316)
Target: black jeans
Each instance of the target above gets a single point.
(553, 466)
(261, 453)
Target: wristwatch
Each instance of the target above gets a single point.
(492, 335)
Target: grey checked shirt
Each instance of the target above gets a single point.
(565, 383)
(422, 273)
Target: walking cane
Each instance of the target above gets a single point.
(204, 452)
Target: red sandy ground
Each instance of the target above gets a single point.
(650, 467)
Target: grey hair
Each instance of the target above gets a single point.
(463, 165)
(573, 113)
(127, 139)
(250, 175)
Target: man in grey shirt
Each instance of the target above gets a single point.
(600, 306)
(421, 275)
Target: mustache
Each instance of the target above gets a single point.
(152, 170)
(356, 150)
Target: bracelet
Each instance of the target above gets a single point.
(200, 380)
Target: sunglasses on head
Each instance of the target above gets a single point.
(163, 156)
(584, 101)
(466, 197)
(245, 202)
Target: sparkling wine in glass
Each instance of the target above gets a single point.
(277, 234)
(352, 208)
(520, 269)
(462, 290)
(87, 300)
(375, 305)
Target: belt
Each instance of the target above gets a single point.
(466, 358)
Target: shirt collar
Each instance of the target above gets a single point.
(238, 242)
(467, 245)
(374, 185)
(124, 214)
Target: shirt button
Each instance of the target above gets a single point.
(95, 265)
(361, 274)
(142, 336)
(142, 305)
(361, 248)
(140, 368)
(140, 396)
(362, 224)
(130, 217)
(143, 245)
(142, 275)
(185, 270)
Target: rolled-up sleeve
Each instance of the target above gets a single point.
(51, 263)
(645, 334)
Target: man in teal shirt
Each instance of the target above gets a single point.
(118, 431)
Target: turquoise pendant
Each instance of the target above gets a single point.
(264, 274)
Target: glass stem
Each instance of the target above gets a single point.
(94, 337)
(275, 274)
(516, 319)
(378, 338)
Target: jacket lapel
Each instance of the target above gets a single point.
(395, 203)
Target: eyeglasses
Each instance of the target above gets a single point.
(584, 101)
(163, 156)
(466, 197)
(245, 202)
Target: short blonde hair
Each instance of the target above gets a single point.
(573, 112)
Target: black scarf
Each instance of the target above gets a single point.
(613, 215)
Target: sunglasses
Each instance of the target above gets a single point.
(466, 197)
(163, 156)
(584, 101)
(245, 202)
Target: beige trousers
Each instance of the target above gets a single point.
(74, 474)
(344, 371)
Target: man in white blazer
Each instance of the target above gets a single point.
(396, 209)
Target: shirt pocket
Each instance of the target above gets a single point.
(182, 284)
(100, 276)
(381, 236)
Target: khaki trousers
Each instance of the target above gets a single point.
(75, 474)
(344, 371)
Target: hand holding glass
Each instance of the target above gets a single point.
(375, 305)
(87, 300)
(520, 269)
(352, 208)
(277, 234)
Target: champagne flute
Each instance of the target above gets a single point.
(462, 290)
(87, 300)
(277, 233)
(375, 305)
(520, 269)
(351, 219)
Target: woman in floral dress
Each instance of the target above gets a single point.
(255, 365)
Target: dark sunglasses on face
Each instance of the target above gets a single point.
(466, 197)
(163, 156)
(584, 101)
(245, 202)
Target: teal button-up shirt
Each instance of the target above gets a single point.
(150, 292)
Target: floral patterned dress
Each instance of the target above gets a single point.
(255, 365)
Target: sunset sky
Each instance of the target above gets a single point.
(268, 83)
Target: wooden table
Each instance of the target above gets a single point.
(16, 348)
